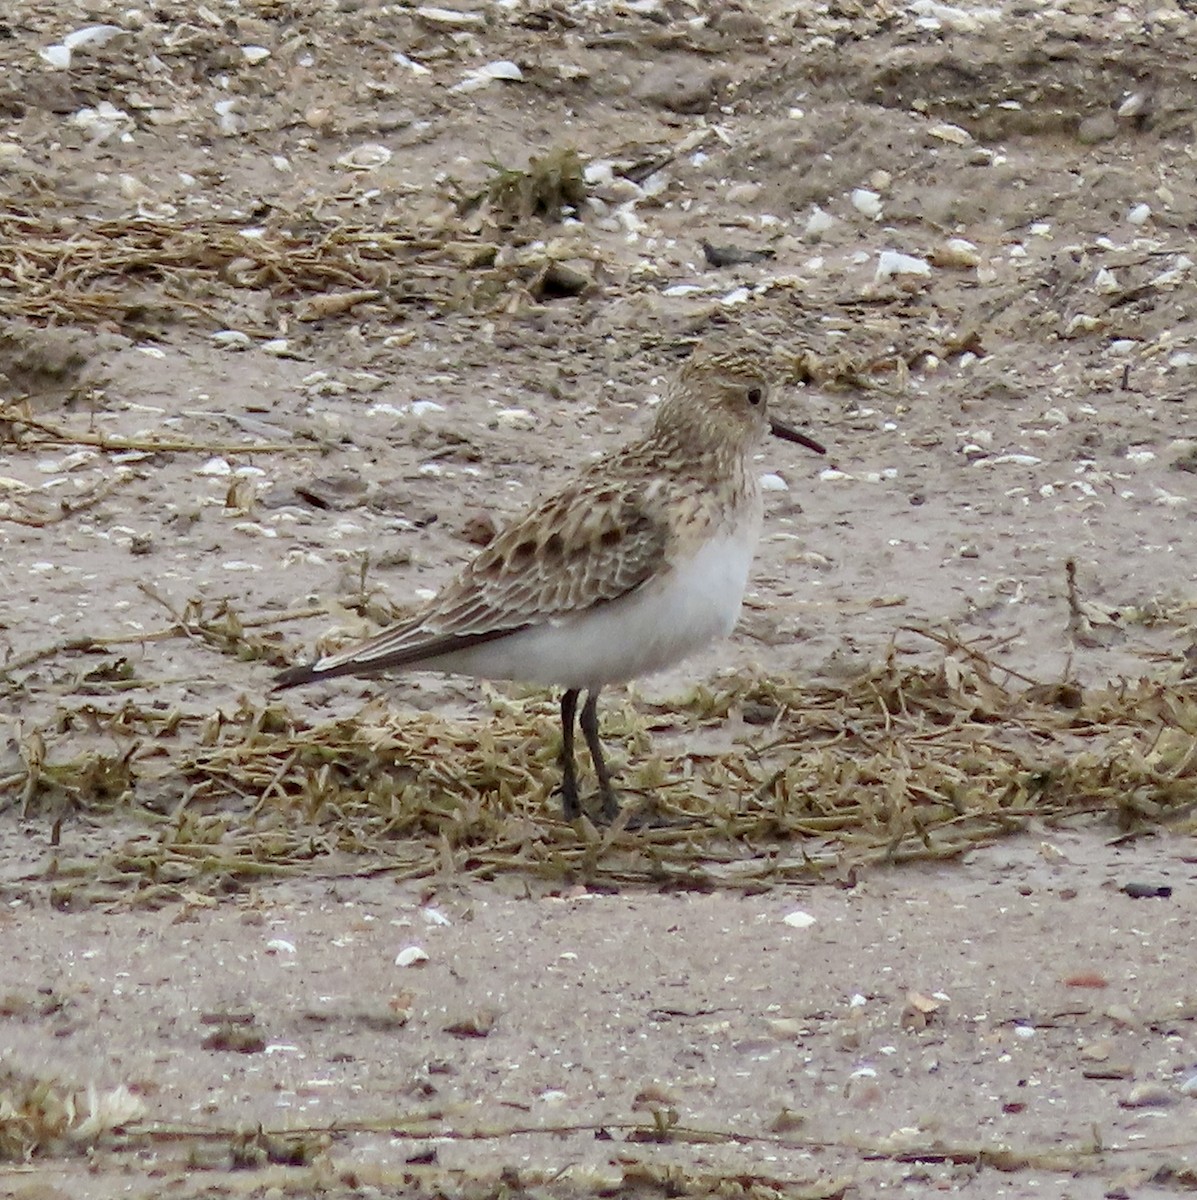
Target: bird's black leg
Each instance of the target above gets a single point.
(569, 769)
(590, 730)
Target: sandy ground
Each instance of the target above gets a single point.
(1019, 1006)
(1014, 395)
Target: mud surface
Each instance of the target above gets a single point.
(338, 252)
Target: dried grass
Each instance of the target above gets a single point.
(140, 271)
(903, 763)
(39, 1116)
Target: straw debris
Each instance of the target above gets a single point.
(903, 763)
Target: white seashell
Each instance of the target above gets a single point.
(619, 191)
(279, 347)
(504, 69)
(743, 193)
(798, 919)
(232, 339)
(682, 289)
(866, 203)
(367, 157)
(818, 223)
(254, 54)
(516, 418)
(217, 467)
(80, 458)
(56, 56)
(91, 35)
(1106, 282)
(1140, 214)
(599, 171)
(739, 295)
(1166, 499)
(434, 916)
(279, 946)
(239, 565)
(410, 956)
(951, 133)
(450, 16)
(933, 16)
(1133, 105)
(69, 462)
(1174, 274)
(103, 121)
(421, 408)
(1013, 460)
(401, 60)
(957, 252)
(892, 262)
(229, 122)
(774, 483)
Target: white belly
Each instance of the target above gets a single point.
(661, 623)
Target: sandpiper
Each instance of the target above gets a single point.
(638, 562)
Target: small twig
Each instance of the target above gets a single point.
(94, 645)
(68, 508)
(953, 643)
(58, 435)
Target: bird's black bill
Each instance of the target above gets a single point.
(789, 434)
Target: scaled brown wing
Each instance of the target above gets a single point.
(584, 547)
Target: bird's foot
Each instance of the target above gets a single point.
(571, 806)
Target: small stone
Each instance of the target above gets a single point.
(1100, 127)
(1148, 1095)
(1120, 1014)
(1147, 891)
(480, 529)
(689, 90)
(474, 1024)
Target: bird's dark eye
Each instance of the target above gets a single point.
(755, 396)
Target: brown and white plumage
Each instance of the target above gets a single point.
(639, 561)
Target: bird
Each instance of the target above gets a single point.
(639, 561)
